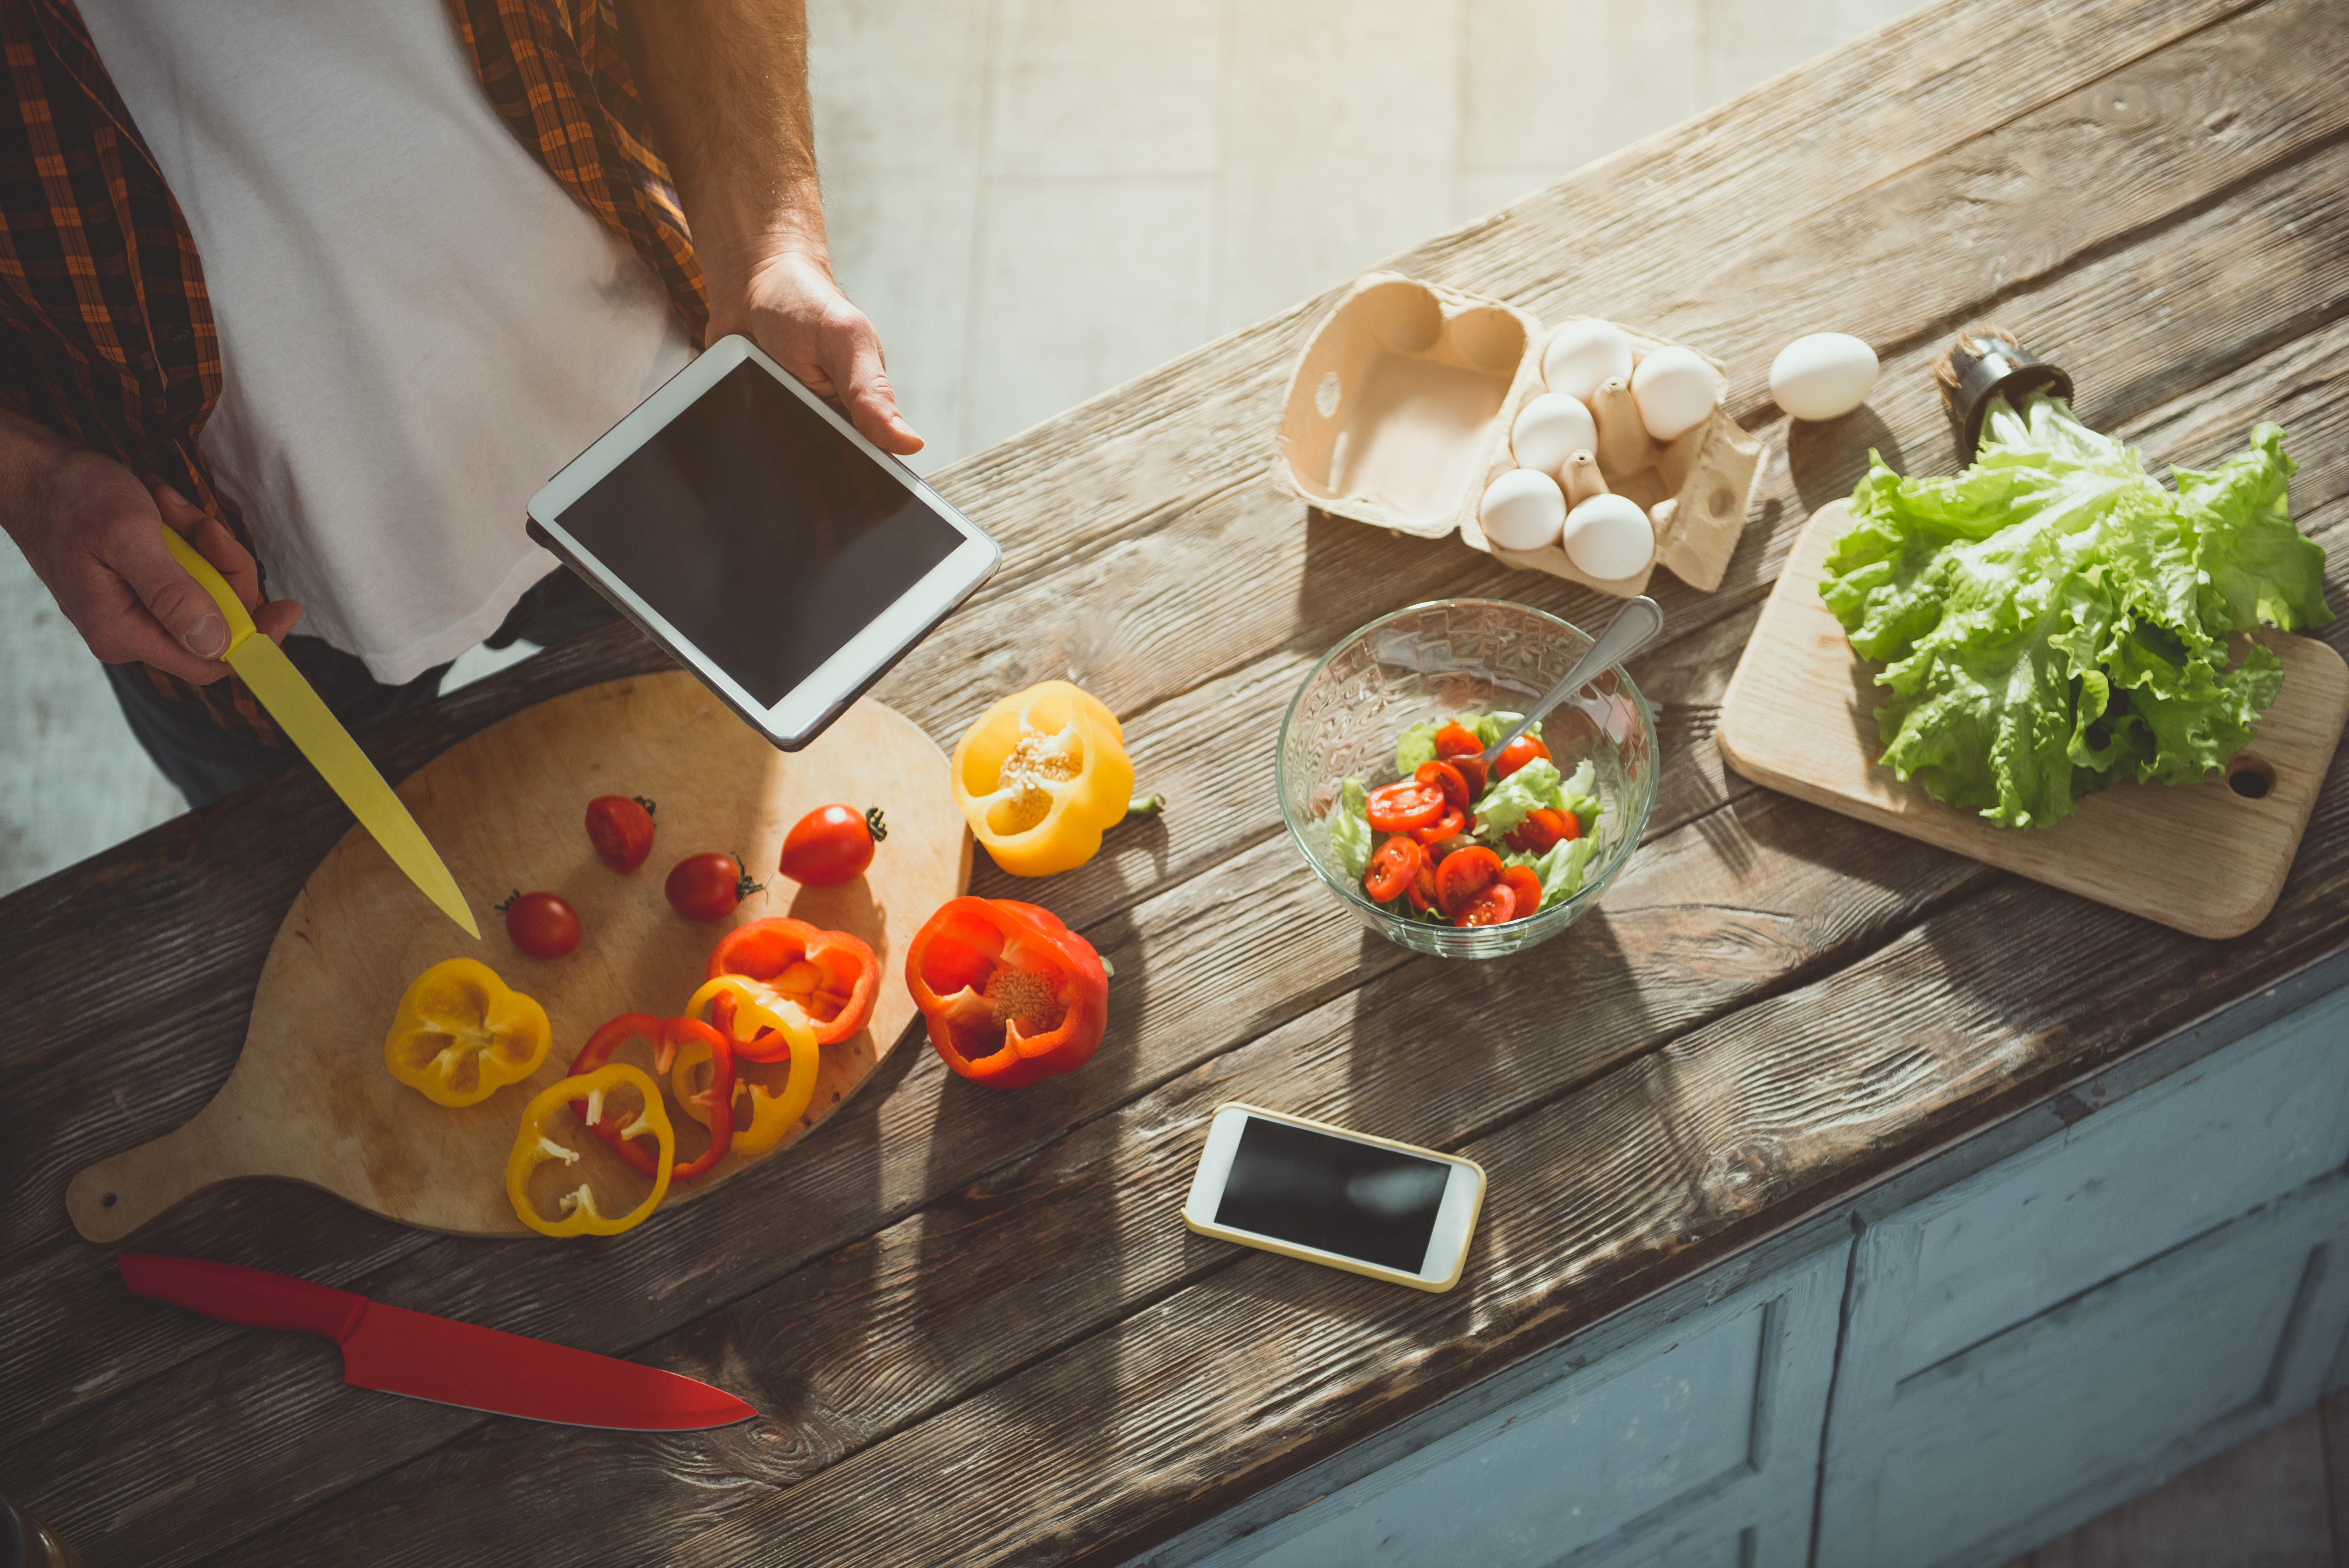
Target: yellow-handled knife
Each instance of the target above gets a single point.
(311, 725)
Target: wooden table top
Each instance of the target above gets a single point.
(974, 1322)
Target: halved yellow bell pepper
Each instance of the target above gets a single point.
(533, 1147)
(461, 1034)
(1040, 776)
(772, 1112)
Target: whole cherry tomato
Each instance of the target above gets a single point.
(831, 845)
(621, 828)
(708, 886)
(1518, 753)
(1392, 869)
(1399, 808)
(1464, 874)
(541, 923)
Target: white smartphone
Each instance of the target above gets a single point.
(1308, 1190)
(750, 531)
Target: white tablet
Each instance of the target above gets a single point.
(749, 530)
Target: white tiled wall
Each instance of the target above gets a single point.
(1038, 199)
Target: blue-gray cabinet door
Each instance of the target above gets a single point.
(2044, 1340)
(1697, 1445)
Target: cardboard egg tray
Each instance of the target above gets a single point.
(1399, 415)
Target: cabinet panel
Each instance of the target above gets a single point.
(1696, 1445)
(2122, 1186)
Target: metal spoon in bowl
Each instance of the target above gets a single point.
(1634, 626)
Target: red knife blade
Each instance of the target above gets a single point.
(428, 1357)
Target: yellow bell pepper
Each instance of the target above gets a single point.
(461, 1034)
(533, 1147)
(1040, 776)
(772, 1112)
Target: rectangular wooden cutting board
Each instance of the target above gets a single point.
(2207, 858)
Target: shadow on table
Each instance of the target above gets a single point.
(1827, 459)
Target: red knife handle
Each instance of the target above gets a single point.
(254, 1297)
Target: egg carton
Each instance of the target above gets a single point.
(1399, 415)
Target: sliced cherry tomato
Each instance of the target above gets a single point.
(1399, 808)
(541, 923)
(1394, 867)
(831, 845)
(1521, 881)
(621, 828)
(1518, 753)
(1464, 874)
(709, 886)
(1423, 888)
(1452, 822)
(1473, 772)
(1450, 780)
(1494, 905)
(1456, 740)
(1543, 826)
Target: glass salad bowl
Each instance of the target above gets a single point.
(1431, 662)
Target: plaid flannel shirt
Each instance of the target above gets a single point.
(105, 332)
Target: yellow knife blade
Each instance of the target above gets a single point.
(310, 724)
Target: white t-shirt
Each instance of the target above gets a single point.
(417, 324)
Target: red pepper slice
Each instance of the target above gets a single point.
(1398, 807)
(1464, 874)
(1392, 869)
(1493, 905)
(664, 1036)
(829, 976)
(1011, 993)
(1447, 777)
(1454, 820)
(1522, 881)
(1456, 740)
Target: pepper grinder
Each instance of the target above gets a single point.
(1984, 360)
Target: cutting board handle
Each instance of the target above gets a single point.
(116, 1196)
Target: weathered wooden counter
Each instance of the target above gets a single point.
(975, 1323)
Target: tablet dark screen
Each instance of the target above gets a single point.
(759, 532)
(1354, 1198)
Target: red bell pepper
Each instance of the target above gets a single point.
(1010, 995)
(664, 1036)
(829, 976)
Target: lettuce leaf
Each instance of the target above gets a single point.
(1537, 783)
(1350, 828)
(1561, 869)
(2053, 618)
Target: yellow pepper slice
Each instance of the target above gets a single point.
(461, 1034)
(1040, 776)
(533, 1147)
(773, 1113)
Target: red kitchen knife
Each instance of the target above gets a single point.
(429, 1358)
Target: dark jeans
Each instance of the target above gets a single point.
(206, 762)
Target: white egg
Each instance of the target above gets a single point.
(1675, 391)
(1823, 376)
(1522, 510)
(1551, 428)
(1582, 353)
(1608, 537)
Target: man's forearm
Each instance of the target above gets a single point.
(725, 82)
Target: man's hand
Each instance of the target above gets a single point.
(93, 533)
(791, 308)
(725, 82)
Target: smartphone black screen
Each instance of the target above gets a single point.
(762, 534)
(1358, 1200)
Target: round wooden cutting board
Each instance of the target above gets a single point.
(310, 1099)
